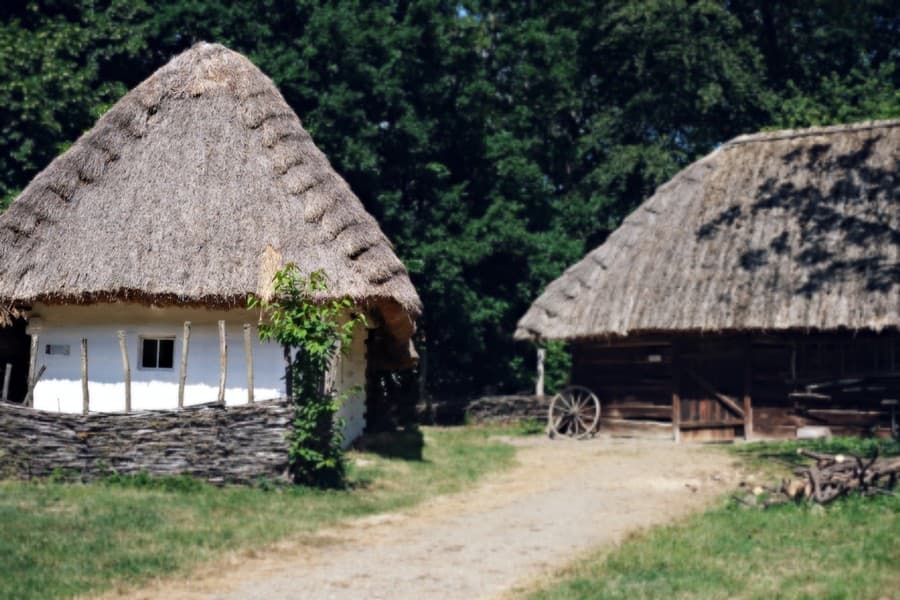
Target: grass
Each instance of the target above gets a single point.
(63, 539)
(849, 549)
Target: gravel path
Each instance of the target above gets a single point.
(562, 499)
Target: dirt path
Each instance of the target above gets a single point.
(562, 499)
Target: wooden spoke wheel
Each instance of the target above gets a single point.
(574, 412)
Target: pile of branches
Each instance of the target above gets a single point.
(831, 477)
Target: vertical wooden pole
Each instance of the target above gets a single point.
(7, 375)
(223, 362)
(85, 396)
(539, 384)
(288, 373)
(126, 367)
(182, 376)
(748, 389)
(32, 366)
(248, 352)
(676, 394)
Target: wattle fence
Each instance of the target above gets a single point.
(220, 444)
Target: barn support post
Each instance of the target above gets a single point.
(7, 375)
(223, 362)
(539, 384)
(85, 395)
(248, 352)
(748, 389)
(126, 367)
(676, 394)
(32, 367)
(182, 376)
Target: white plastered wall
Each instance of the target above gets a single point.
(60, 387)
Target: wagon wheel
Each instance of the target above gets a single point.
(574, 412)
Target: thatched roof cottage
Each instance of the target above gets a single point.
(183, 199)
(766, 273)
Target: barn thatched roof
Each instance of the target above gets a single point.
(194, 188)
(790, 230)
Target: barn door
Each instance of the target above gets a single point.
(710, 384)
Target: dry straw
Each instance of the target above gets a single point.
(185, 192)
(789, 230)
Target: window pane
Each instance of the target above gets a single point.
(166, 353)
(148, 354)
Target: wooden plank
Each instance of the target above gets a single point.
(7, 375)
(709, 435)
(723, 398)
(748, 389)
(182, 377)
(676, 395)
(29, 396)
(248, 352)
(685, 425)
(32, 364)
(223, 362)
(126, 367)
(85, 395)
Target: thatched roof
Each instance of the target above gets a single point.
(791, 230)
(193, 189)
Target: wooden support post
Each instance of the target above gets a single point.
(223, 362)
(7, 375)
(85, 396)
(539, 384)
(288, 373)
(182, 376)
(748, 389)
(126, 367)
(32, 366)
(676, 395)
(248, 352)
(29, 396)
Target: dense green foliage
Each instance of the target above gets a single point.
(312, 331)
(495, 141)
(62, 539)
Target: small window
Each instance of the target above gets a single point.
(157, 353)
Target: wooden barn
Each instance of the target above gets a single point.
(183, 199)
(754, 294)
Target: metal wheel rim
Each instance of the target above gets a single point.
(573, 412)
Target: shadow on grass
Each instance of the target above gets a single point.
(405, 444)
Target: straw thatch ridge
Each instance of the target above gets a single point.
(192, 189)
(788, 230)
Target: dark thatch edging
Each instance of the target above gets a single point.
(239, 444)
(789, 230)
(196, 187)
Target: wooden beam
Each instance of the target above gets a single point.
(182, 377)
(710, 389)
(126, 367)
(288, 373)
(85, 395)
(748, 389)
(248, 352)
(32, 364)
(676, 395)
(29, 396)
(223, 362)
(7, 375)
(539, 384)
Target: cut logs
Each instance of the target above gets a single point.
(830, 477)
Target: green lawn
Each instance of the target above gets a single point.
(63, 539)
(850, 549)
